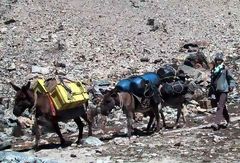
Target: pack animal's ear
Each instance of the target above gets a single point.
(90, 90)
(27, 86)
(16, 88)
(114, 93)
(103, 92)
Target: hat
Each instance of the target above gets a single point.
(219, 56)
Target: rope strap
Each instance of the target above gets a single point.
(53, 111)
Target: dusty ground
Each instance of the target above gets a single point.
(107, 39)
(181, 145)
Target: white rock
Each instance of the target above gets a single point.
(3, 30)
(12, 66)
(38, 39)
(93, 141)
(41, 70)
(121, 141)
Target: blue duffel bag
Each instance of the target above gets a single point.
(137, 85)
(123, 85)
(152, 77)
(133, 84)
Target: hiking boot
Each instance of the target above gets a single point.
(215, 126)
(225, 124)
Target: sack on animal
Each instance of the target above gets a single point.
(152, 77)
(134, 84)
(173, 89)
(137, 84)
(166, 73)
(65, 94)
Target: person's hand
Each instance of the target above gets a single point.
(230, 89)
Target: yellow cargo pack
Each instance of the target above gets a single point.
(39, 86)
(62, 98)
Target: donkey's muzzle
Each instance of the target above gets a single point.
(17, 111)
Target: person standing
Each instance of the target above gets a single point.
(222, 83)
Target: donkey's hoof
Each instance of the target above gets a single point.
(79, 142)
(36, 148)
(175, 127)
(160, 132)
(63, 142)
(157, 129)
(89, 133)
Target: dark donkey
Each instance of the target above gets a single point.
(129, 104)
(176, 95)
(40, 105)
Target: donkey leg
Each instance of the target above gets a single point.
(156, 113)
(85, 117)
(162, 115)
(150, 122)
(163, 119)
(184, 112)
(129, 116)
(57, 130)
(178, 116)
(80, 127)
(37, 135)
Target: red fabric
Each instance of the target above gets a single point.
(53, 110)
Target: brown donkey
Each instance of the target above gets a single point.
(129, 104)
(40, 104)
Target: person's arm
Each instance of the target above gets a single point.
(231, 81)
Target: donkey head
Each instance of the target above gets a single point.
(109, 101)
(22, 99)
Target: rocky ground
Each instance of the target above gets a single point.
(92, 40)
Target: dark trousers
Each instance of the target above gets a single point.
(220, 103)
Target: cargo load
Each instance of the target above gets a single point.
(64, 93)
(123, 85)
(166, 73)
(173, 89)
(137, 84)
(152, 77)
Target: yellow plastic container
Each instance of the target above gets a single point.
(63, 99)
(39, 86)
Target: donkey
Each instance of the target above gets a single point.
(183, 93)
(40, 104)
(130, 104)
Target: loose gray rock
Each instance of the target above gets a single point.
(19, 157)
(5, 145)
(93, 141)
(41, 70)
